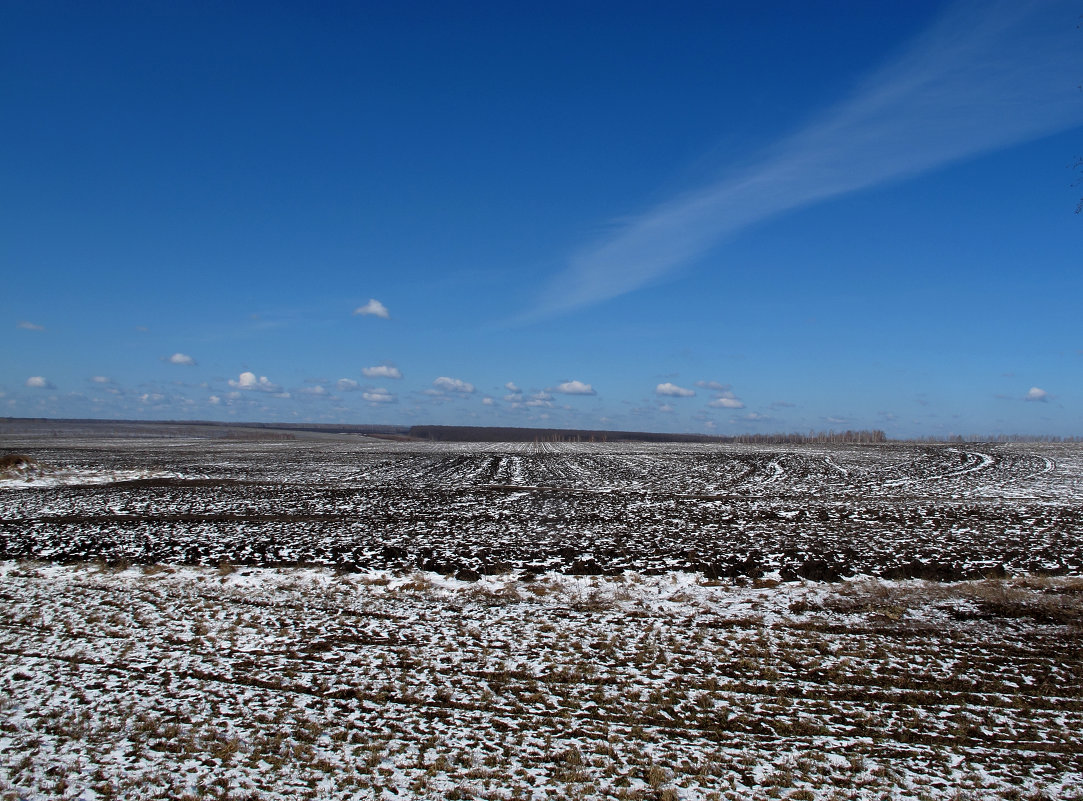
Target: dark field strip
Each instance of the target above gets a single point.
(936, 512)
(463, 531)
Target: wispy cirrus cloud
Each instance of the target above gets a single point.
(984, 76)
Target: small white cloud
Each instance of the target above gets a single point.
(101, 379)
(1036, 394)
(574, 388)
(316, 390)
(512, 388)
(673, 391)
(487, 401)
(182, 358)
(373, 308)
(378, 395)
(346, 385)
(214, 400)
(453, 385)
(39, 382)
(152, 398)
(26, 325)
(752, 417)
(666, 407)
(723, 396)
(382, 371)
(537, 400)
(248, 381)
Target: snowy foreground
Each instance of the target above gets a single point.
(195, 682)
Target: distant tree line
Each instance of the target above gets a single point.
(514, 434)
(849, 436)
(510, 434)
(998, 438)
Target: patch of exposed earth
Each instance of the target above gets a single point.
(896, 511)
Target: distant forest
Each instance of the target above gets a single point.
(496, 434)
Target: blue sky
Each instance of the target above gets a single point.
(717, 218)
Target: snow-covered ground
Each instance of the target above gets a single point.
(193, 682)
(355, 618)
(40, 479)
